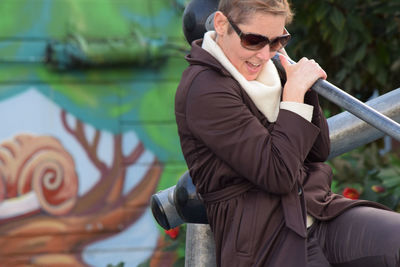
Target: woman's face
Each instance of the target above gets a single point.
(249, 62)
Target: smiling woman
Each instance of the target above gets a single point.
(248, 60)
(255, 141)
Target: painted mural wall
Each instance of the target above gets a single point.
(87, 129)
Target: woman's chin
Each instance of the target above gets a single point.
(252, 76)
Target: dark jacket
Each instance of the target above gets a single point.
(258, 179)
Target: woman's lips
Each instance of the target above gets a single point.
(253, 68)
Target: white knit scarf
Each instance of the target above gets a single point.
(265, 91)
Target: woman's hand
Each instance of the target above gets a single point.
(300, 77)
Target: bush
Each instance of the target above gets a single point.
(369, 174)
(357, 42)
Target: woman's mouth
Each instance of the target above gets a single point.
(253, 67)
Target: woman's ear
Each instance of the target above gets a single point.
(220, 23)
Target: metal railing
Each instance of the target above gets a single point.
(347, 132)
(351, 104)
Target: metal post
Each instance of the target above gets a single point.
(346, 132)
(200, 246)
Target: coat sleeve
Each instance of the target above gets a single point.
(321, 148)
(217, 115)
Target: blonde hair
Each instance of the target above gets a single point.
(240, 10)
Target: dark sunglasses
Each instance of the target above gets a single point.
(254, 41)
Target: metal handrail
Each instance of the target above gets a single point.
(348, 132)
(351, 104)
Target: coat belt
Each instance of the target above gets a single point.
(227, 193)
(293, 211)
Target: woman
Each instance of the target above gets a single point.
(255, 142)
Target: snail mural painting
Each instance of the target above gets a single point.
(40, 190)
(88, 131)
(38, 171)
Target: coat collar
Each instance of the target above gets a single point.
(199, 56)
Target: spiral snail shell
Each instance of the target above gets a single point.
(41, 164)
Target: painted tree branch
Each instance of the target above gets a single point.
(79, 134)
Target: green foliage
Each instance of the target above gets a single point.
(178, 245)
(375, 176)
(121, 264)
(357, 42)
(175, 245)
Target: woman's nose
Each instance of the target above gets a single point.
(265, 53)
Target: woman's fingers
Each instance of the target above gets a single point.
(285, 63)
(300, 77)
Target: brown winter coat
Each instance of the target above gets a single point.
(258, 179)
